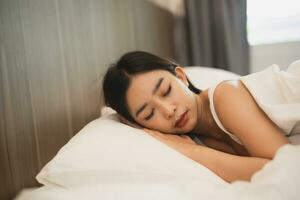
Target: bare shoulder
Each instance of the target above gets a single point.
(231, 93)
(229, 86)
(233, 102)
(231, 99)
(240, 114)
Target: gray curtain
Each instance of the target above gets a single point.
(216, 35)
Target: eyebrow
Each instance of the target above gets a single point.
(157, 85)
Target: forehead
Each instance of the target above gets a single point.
(142, 85)
(149, 77)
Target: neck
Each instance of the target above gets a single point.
(204, 115)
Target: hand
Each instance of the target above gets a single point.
(125, 121)
(175, 138)
(183, 144)
(169, 137)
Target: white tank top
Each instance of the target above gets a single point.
(276, 92)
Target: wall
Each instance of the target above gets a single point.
(52, 57)
(282, 54)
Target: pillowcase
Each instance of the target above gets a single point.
(205, 77)
(108, 151)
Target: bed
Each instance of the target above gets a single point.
(110, 160)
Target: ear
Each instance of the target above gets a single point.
(181, 75)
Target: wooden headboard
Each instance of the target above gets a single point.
(53, 55)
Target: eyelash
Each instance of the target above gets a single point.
(168, 92)
(164, 95)
(152, 113)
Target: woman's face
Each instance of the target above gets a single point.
(157, 99)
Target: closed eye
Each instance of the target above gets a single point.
(168, 91)
(164, 95)
(149, 116)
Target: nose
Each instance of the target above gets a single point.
(168, 109)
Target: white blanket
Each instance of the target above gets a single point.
(277, 92)
(277, 180)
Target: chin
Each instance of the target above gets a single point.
(189, 127)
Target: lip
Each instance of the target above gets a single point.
(182, 120)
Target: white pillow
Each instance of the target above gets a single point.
(204, 77)
(107, 151)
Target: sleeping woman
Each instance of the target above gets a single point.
(238, 130)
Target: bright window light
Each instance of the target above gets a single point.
(273, 21)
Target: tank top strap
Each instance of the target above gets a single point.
(211, 91)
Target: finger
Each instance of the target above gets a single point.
(151, 132)
(184, 136)
(158, 134)
(135, 125)
(148, 131)
(122, 119)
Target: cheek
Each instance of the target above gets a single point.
(182, 91)
(158, 123)
(184, 98)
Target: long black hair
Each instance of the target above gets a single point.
(118, 77)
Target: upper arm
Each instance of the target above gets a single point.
(240, 115)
